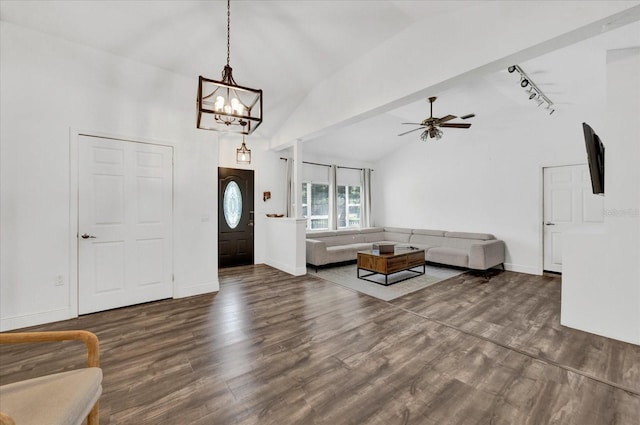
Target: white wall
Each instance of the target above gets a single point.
(50, 87)
(601, 284)
(485, 179)
(269, 177)
(513, 35)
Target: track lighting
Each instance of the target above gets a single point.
(533, 90)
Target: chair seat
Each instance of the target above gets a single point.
(60, 399)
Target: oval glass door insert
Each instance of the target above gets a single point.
(232, 204)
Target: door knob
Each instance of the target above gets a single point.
(548, 223)
(86, 236)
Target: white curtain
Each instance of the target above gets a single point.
(365, 213)
(333, 198)
(289, 187)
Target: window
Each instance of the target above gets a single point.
(348, 206)
(315, 206)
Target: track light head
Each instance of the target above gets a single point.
(532, 89)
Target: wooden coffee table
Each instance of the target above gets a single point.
(402, 259)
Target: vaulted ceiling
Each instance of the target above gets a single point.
(289, 48)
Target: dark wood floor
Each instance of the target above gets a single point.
(270, 348)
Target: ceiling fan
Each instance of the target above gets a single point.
(430, 125)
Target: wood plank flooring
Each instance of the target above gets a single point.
(271, 348)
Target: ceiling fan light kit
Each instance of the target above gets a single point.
(226, 106)
(431, 126)
(534, 91)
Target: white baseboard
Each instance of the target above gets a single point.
(33, 319)
(522, 269)
(203, 288)
(292, 270)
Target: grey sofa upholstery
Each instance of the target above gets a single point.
(477, 251)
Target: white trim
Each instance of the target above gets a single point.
(189, 291)
(33, 319)
(295, 271)
(74, 143)
(523, 269)
(540, 223)
(73, 222)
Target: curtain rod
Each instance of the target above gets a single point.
(326, 165)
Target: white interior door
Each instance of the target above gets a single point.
(569, 203)
(125, 209)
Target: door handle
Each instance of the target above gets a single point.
(548, 223)
(86, 236)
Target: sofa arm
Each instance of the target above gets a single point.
(483, 256)
(316, 251)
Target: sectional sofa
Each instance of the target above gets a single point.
(477, 251)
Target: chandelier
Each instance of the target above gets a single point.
(243, 155)
(226, 106)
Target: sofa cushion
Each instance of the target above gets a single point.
(426, 240)
(61, 398)
(397, 230)
(372, 230)
(373, 237)
(350, 247)
(468, 235)
(451, 256)
(320, 234)
(344, 239)
(397, 235)
(428, 232)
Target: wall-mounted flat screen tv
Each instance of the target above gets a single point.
(595, 158)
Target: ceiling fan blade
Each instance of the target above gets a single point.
(412, 123)
(455, 125)
(465, 117)
(445, 119)
(410, 131)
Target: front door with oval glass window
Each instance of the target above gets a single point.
(235, 217)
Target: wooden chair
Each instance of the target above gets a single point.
(66, 397)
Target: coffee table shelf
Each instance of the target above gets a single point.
(402, 259)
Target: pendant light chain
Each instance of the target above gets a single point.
(224, 105)
(228, 29)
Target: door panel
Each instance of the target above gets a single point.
(235, 217)
(568, 204)
(125, 210)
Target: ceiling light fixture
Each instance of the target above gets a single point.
(243, 155)
(534, 91)
(226, 106)
(433, 132)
